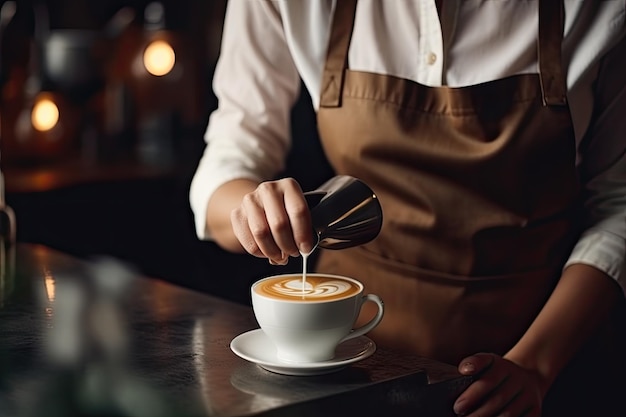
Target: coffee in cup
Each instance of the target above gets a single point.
(307, 319)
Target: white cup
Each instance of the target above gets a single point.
(307, 325)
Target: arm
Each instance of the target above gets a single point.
(519, 381)
(580, 303)
(225, 199)
(248, 135)
(588, 288)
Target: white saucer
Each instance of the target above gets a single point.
(255, 347)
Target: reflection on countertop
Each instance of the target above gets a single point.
(95, 338)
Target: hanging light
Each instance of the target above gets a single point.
(45, 128)
(160, 73)
(157, 63)
(159, 79)
(45, 113)
(159, 58)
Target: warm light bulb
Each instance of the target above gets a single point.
(45, 115)
(159, 58)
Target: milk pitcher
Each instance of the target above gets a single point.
(345, 213)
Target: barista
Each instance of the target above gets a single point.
(491, 135)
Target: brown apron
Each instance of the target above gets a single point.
(477, 197)
(479, 191)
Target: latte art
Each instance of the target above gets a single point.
(325, 289)
(316, 288)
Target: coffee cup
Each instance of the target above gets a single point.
(307, 319)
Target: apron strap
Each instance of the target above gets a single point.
(337, 55)
(551, 74)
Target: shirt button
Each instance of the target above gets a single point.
(431, 58)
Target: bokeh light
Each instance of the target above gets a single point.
(45, 114)
(159, 58)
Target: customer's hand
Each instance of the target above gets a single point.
(501, 388)
(274, 221)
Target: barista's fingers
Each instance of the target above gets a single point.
(279, 220)
(280, 261)
(251, 228)
(239, 222)
(300, 218)
(297, 209)
(269, 219)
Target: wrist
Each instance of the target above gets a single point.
(543, 375)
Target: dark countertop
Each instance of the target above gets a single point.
(94, 338)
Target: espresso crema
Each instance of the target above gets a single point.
(316, 288)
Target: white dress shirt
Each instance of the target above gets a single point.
(268, 46)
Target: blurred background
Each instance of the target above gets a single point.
(103, 107)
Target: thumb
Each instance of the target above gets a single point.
(476, 364)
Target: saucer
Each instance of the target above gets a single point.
(254, 346)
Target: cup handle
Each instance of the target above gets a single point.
(360, 331)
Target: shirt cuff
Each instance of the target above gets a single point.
(603, 250)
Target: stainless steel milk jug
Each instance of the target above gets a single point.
(345, 213)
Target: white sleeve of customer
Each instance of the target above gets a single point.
(256, 84)
(603, 159)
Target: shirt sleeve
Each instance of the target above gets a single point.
(603, 170)
(256, 84)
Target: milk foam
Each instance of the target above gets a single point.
(294, 288)
(315, 288)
